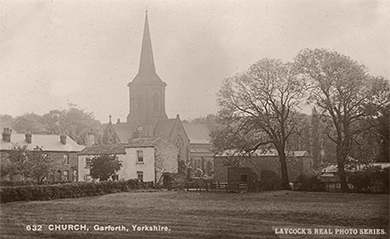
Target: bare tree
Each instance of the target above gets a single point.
(343, 90)
(258, 108)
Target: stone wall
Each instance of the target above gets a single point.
(166, 158)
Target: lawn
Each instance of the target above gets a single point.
(200, 215)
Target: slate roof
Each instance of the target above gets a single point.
(100, 149)
(46, 142)
(164, 127)
(198, 133)
(200, 149)
(124, 131)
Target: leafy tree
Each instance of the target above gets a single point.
(258, 108)
(29, 122)
(342, 89)
(30, 163)
(104, 166)
(19, 163)
(74, 122)
(41, 164)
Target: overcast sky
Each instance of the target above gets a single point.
(85, 52)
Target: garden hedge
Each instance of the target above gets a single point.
(69, 190)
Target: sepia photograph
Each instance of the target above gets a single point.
(194, 119)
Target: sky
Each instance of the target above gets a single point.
(84, 52)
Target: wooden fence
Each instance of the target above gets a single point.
(199, 186)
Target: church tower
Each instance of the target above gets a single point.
(147, 90)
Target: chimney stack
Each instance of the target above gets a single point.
(90, 139)
(63, 139)
(7, 135)
(28, 137)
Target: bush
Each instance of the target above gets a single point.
(310, 183)
(69, 190)
(365, 179)
(270, 180)
(28, 183)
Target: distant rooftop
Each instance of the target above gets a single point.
(46, 142)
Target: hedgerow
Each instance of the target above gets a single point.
(69, 190)
(311, 183)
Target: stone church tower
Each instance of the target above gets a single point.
(147, 90)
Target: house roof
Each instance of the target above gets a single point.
(270, 152)
(101, 149)
(198, 133)
(46, 142)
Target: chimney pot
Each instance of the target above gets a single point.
(63, 139)
(28, 137)
(7, 135)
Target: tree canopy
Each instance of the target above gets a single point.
(74, 122)
(347, 95)
(259, 108)
(104, 166)
(33, 164)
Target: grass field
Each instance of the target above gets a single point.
(200, 215)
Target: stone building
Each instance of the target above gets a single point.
(299, 162)
(145, 158)
(61, 148)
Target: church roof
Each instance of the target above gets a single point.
(145, 141)
(164, 127)
(147, 70)
(197, 133)
(124, 131)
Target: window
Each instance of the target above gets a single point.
(140, 156)
(88, 161)
(66, 175)
(66, 158)
(244, 178)
(140, 176)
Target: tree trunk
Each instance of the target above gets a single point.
(283, 168)
(341, 156)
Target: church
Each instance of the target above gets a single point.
(147, 116)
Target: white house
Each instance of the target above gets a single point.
(148, 159)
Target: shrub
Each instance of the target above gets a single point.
(28, 183)
(310, 183)
(365, 179)
(270, 180)
(69, 190)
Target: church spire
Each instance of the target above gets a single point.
(147, 62)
